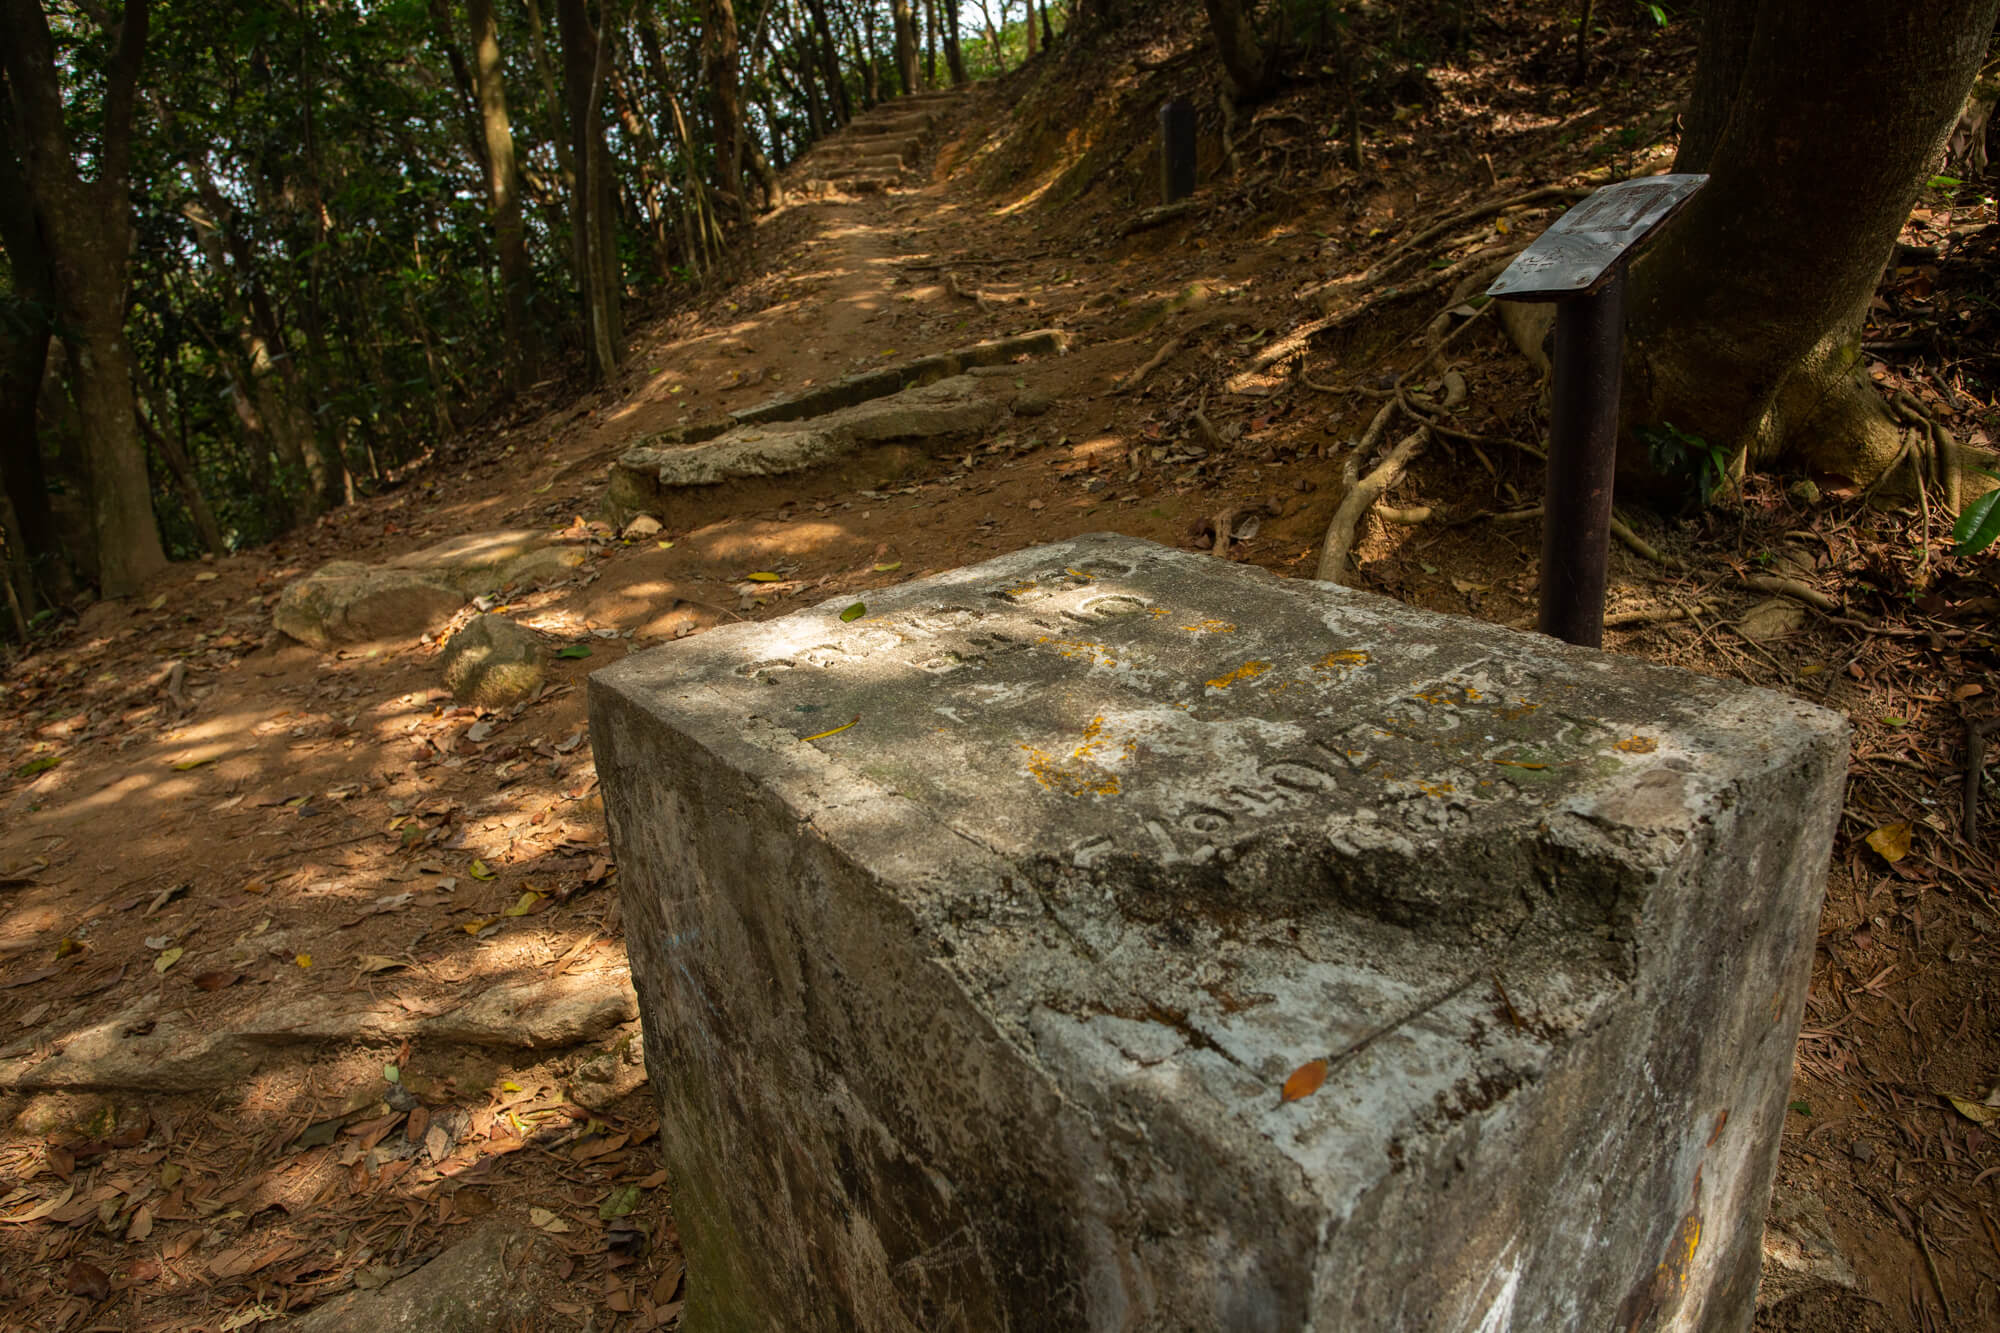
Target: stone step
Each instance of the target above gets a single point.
(915, 122)
(1117, 937)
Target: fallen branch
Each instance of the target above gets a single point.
(1153, 363)
(1408, 518)
(972, 294)
(1803, 592)
(1362, 493)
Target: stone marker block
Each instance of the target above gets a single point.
(1112, 937)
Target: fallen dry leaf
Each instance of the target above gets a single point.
(1305, 1080)
(1891, 842)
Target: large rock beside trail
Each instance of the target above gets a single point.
(1109, 936)
(346, 601)
(493, 662)
(498, 1276)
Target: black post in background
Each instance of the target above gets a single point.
(1176, 150)
(1583, 450)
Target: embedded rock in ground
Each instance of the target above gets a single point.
(345, 601)
(610, 1074)
(496, 1276)
(493, 662)
(850, 433)
(668, 482)
(1800, 1253)
(1165, 945)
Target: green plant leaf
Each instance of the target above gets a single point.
(855, 612)
(1978, 524)
(574, 650)
(1944, 182)
(34, 766)
(762, 576)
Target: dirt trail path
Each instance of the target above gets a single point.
(304, 967)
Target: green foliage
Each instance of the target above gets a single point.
(1702, 468)
(1979, 522)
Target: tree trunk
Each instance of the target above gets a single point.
(160, 431)
(1817, 124)
(593, 220)
(829, 54)
(930, 43)
(36, 554)
(1034, 39)
(719, 62)
(954, 55)
(1250, 65)
(904, 20)
(503, 191)
(87, 227)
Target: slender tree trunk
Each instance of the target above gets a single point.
(1817, 124)
(160, 431)
(829, 55)
(930, 43)
(591, 201)
(954, 54)
(87, 227)
(1028, 27)
(904, 21)
(720, 55)
(36, 553)
(503, 191)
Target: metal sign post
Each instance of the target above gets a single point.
(1579, 264)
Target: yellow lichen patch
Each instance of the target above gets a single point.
(1515, 714)
(1341, 661)
(1210, 627)
(1436, 790)
(1021, 589)
(1079, 774)
(1636, 745)
(1080, 574)
(1434, 697)
(1158, 611)
(1094, 653)
(1248, 671)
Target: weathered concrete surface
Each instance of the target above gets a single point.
(346, 601)
(493, 662)
(980, 1012)
(497, 1276)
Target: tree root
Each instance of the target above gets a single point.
(1792, 588)
(1293, 345)
(1153, 363)
(1402, 252)
(1157, 217)
(1362, 493)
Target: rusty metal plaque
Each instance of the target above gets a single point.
(1585, 244)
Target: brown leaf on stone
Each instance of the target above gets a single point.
(217, 980)
(142, 1225)
(88, 1281)
(61, 1162)
(1305, 1080)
